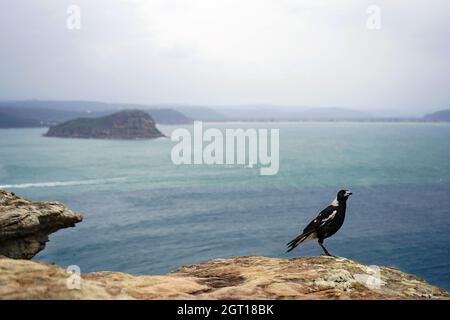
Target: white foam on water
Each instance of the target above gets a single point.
(60, 183)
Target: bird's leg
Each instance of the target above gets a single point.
(324, 249)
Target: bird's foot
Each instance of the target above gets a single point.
(328, 255)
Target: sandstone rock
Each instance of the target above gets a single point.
(25, 225)
(237, 278)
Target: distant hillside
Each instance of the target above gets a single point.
(54, 112)
(128, 124)
(269, 113)
(15, 121)
(202, 113)
(73, 106)
(49, 113)
(285, 113)
(41, 116)
(443, 115)
(168, 116)
(34, 113)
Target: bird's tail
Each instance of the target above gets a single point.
(299, 239)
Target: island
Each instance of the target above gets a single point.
(125, 125)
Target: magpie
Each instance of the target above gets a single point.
(327, 223)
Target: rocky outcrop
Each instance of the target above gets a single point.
(25, 225)
(237, 278)
(128, 124)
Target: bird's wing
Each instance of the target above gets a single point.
(322, 219)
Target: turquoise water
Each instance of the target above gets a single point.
(145, 215)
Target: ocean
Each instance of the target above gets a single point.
(145, 215)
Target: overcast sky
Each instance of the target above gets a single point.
(223, 52)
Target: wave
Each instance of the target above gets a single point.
(61, 183)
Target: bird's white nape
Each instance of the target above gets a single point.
(335, 202)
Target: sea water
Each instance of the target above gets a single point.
(145, 215)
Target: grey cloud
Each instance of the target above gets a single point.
(313, 53)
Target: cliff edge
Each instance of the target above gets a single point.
(25, 225)
(237, 278)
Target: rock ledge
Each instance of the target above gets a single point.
(25, 225)
(237, 278)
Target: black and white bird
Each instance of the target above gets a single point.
(327, 223)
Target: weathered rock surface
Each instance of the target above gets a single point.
(237, 278)
(127, 124)
(25, 225)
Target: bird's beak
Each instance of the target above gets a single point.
(348, 193)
